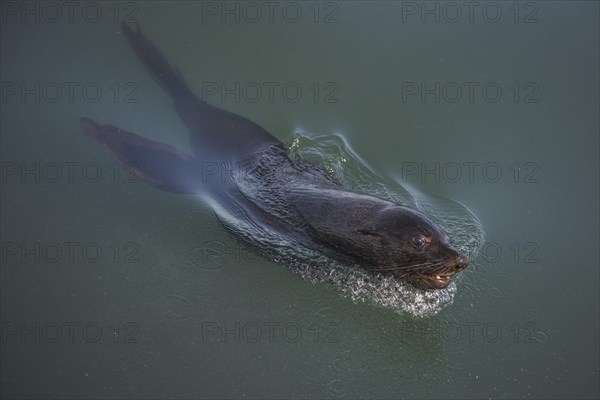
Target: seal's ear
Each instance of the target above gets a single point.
(342, 219)
(155, 163)
(369, 231)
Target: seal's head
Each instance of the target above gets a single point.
(381, 236)
(414, 248)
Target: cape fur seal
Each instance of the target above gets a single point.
(290, 197)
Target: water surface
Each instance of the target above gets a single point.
(172, 306)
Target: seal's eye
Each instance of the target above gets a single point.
(418, 242)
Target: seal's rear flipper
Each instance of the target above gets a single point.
(155, 163)
(213, 132)
(167, 77)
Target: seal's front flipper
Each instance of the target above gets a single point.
(155, 163)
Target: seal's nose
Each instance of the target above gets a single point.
(462, 261)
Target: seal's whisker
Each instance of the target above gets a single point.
(413, 267)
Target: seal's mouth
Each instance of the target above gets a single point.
(431, 281)
(441, 278)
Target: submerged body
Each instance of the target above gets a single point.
(253, 178)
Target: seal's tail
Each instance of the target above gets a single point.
(167, 77)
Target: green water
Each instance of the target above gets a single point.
(112, 289)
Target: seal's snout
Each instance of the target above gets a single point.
(462, 261)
